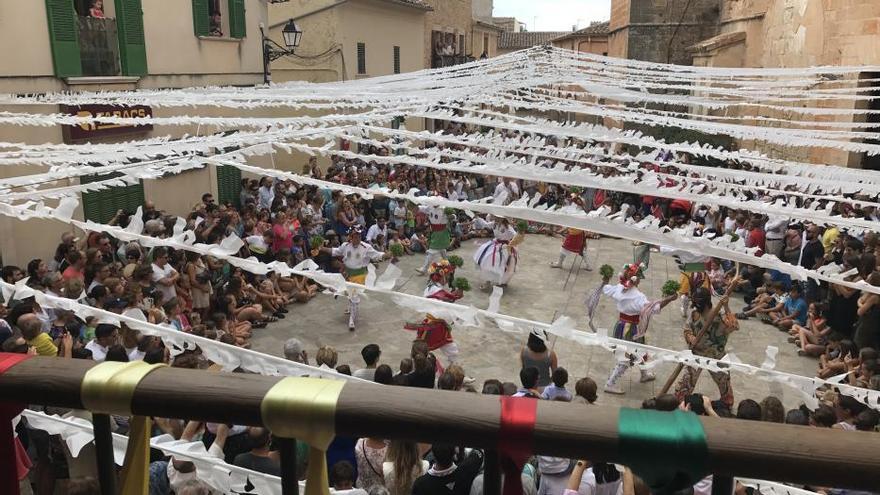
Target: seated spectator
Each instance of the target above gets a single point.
(106, 335)
(370, 353)
(529, 379)
(556, 390)
(794, 310)
(259, 458)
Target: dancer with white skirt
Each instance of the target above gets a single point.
(496, 259)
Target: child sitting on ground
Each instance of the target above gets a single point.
(813, 337)
(556, 390)
(394, 239)
(240, 331)
(833, 361)
(763, 304)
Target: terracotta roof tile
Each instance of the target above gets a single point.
(527, 39)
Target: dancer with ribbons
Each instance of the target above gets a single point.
(437, 332)
(635, 312)
(356, 256)
(496, 259)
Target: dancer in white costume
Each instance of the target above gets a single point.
(496, 259)
(356, 256)
(439, 239)
(635, 311)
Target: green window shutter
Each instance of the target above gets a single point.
(228, 184)
(201, 18)
(101, 206)
(397, 60)
(132, 49)
(237, 24)
(64, 38)
(362, 58)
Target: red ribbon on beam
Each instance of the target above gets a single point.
(14, 462)
(518, 416)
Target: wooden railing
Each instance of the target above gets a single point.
(786, 453)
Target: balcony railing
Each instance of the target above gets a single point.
(98, 46)
(796, 454)
(450, 60)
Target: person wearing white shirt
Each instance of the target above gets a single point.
(377, 229)
(164, 275)
(105, 336)
(632, 305)
(504, 192)
(774, 231)
(266, 194)
(356, 256)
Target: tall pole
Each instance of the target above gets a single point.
(267, 75)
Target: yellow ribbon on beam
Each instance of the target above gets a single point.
(305, 409)
(108, 389)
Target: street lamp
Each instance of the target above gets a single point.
(292, 34)
(272, 51)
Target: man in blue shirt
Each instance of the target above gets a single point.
(794, 310)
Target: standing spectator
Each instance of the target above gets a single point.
(266, 194)
(164, 275)
(756, 237)
(535, 354)
(370, 455)
(76, 263)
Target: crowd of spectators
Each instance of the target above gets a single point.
(287, 222)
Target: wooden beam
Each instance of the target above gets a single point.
(785, 453)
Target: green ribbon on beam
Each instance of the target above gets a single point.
(666, 449)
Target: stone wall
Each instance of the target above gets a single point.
(661, 30)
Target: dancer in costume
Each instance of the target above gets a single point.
(693, 274)
(496, 259)
(356, 256)
(635, 312)
(575, 244)
(436, 332)
(439, 239)
(706, 334)
(575, 241)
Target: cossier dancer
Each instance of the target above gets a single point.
(706, 334)
(437, 332)
(635, 312)
(496, 259)
(575, 242)
(356, 256)
(439, 239)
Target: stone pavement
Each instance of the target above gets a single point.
(537, 292)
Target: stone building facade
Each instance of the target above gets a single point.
(757, 33)
(660, 30)
(799, 33)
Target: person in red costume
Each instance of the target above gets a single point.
(437, 332)
(575, 242)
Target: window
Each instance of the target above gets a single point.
(461, 44)
(397, 60)
(486, 44)
(228, 184)
(362, 58)
(90, 41)
(219, 18)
